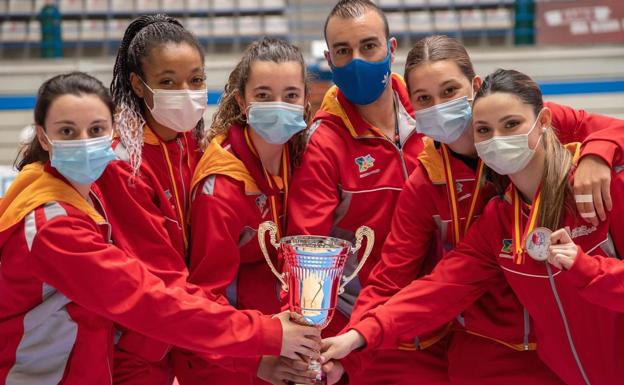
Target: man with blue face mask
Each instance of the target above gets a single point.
(362, 148)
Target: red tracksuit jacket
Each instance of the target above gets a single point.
(351, 175)
(148, 216)
(63, 284)
(421, 233)
(483, 262)
(231, 197)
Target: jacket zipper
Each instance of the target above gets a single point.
(106, 222)
(565, 323)
(527, 328)
(182, 180)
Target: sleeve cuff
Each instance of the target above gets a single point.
(271, 337)
(371, 330)
(583, 270)
(603, 149)
(247, 365)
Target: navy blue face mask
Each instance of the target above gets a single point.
(363, 82)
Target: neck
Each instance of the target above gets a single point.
(464, 145)
(528, 180)
(270, 154)
(163, 132)
(83, 189)
(381, 113)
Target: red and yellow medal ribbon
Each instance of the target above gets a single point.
(518, 237)
(452, 194)
(273, 184)
(180, 210)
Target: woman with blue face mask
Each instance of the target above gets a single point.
(64, 284)
(257, 137)
(450, 179)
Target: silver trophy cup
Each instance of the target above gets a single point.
(313, 267)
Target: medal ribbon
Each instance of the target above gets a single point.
(452, 194)
(273, 184)
(520, 239)
(183, 219)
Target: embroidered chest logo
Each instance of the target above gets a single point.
(581, 231)
(505, 251)
(365, 162)
(261, 203)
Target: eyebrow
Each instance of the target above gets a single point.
(165, 72)
(293, 88)
(267, 88)
(64, 122)
(369, 40)
(506, 117)
(99, 121)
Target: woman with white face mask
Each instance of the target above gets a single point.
(521, 243)
(160, 94)
(497, 329)
(258, 135)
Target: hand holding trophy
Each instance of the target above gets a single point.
(313, 273)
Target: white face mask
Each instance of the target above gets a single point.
(507, 154)
(179, 110)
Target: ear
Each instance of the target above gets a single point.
(41, 138)
(137, 85)
(546, 118)
(327, 57)
(476, 84)
(393, 48)
(242, 105)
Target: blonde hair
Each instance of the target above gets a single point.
(229, 113)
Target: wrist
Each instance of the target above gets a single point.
(356, 340)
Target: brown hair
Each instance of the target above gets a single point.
(228, 112)
(142, 35)
(350, 9)
(556, 190)
(437, 48)
(73, 83)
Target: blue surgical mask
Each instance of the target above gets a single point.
(276, 122)
(82, 161)
(363, 82)
(445, 122)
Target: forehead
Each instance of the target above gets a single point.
(78, 108)
(499, 104)
(353, 30)
(263, 73)
(172, 56)
(435, 73)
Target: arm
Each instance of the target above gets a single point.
(105, 280)
(461, 277)
(598, 278)
(215, 226)
(407, 247)
(314, 196)
(603, 138)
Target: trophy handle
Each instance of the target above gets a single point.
(272, 229)
(362, 231)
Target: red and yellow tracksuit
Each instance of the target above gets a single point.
(148, 213)
(232, 195)
(351, 175)
(484, 263)
(421, 233)
(63, 284)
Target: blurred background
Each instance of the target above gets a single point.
(574, 48)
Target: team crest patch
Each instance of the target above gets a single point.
(261, 201)
(506, 246)
(365, 162)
